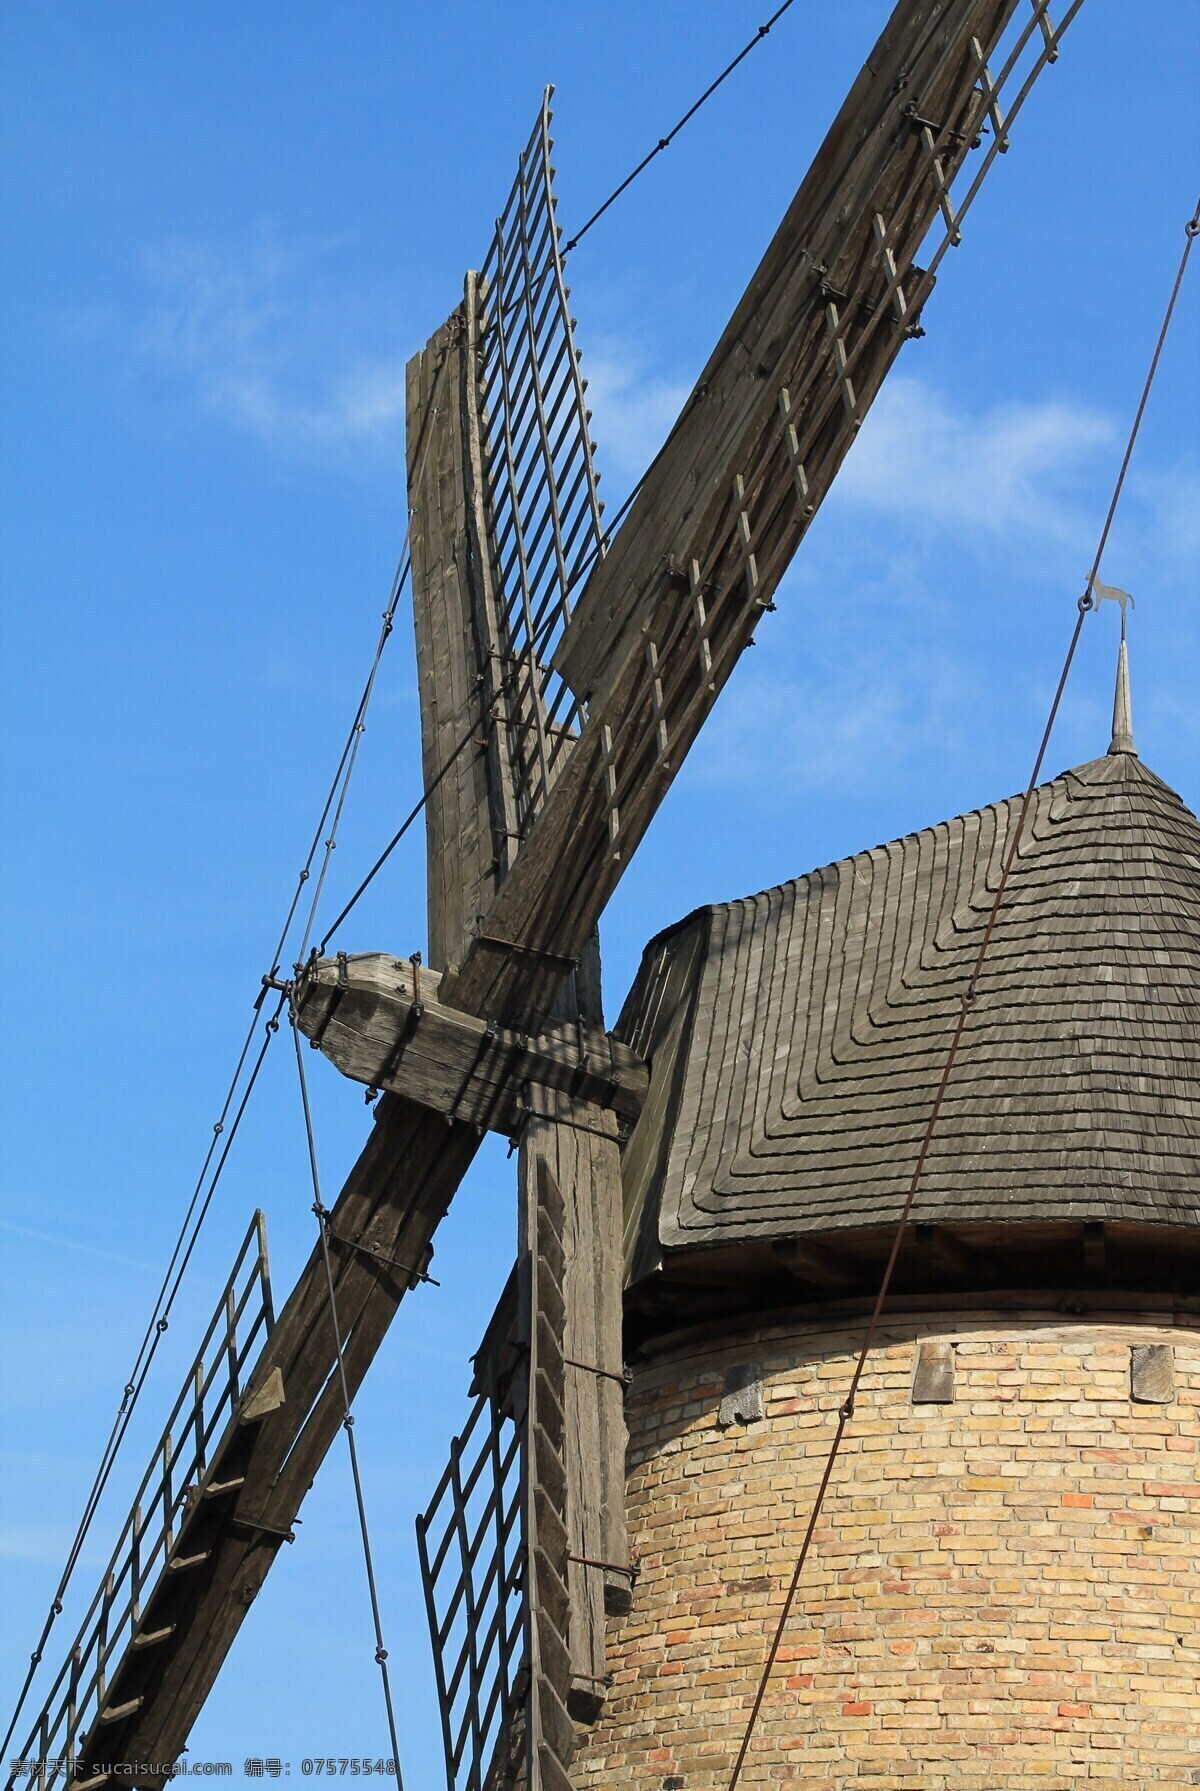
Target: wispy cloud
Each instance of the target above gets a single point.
(259, 338)
(263, 347)
(874, 672)
(633, 407)
(1169, 498)
(77, 1245)
(1012, 467)
(829, 727)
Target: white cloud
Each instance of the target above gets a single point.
(633, 408)
(1171, 498)
(829, 727)
(260, 338)
(264, 348)
(1013, 467)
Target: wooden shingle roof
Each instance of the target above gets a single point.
(796, 1037)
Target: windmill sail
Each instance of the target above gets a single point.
(505, 518)
(506, 522)
(494, 1543)
(470, 1545)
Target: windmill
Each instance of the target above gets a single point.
(566, 666)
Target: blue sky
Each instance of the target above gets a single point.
(225, 231)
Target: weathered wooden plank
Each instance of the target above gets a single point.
(568, 869)
(1152, 1373)
(544, 1532)
(495, 695)
(382, 1026)
(814, 1265)
(933, 1372)
(575, 1141)
(470, 820)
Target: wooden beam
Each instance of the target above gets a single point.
(945, 1252)
(391, 1205)
(379, 1020)
(871, 161)
(541, 1270)
(933, 1372)
(1095, 1247)
(470, 814)
(575, 1142)
(815, 1264)
(384, 1221)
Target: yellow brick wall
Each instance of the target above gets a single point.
(1003, 1592)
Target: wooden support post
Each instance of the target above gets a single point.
(815, 1264)
(947, 1253)
(1095, 1247)
(549, 1735)
(577, 1141)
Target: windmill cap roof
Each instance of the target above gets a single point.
(797, 1037)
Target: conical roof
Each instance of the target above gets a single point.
(797, 1036)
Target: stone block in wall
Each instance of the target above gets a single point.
(1152, 1373)
(933, 1373)
(743, 1400)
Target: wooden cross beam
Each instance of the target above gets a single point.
(379, 1020)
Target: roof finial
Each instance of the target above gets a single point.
(1122, 727)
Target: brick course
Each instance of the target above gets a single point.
(1003, 1591)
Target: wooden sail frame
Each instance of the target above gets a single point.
(469, 1542)
(505, 519)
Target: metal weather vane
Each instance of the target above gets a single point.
(1113, 594)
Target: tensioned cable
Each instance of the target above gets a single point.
(357, 731)
(182, 1252)
(665, 142)
(846, 1410)
(399, 834)
(322, 1214)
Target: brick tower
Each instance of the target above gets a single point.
(1005, 1581)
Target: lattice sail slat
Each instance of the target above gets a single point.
(469, 1543)
(493, 1541)
(180, 1471)
(544, 511)
(865, 291)
(505, 525)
